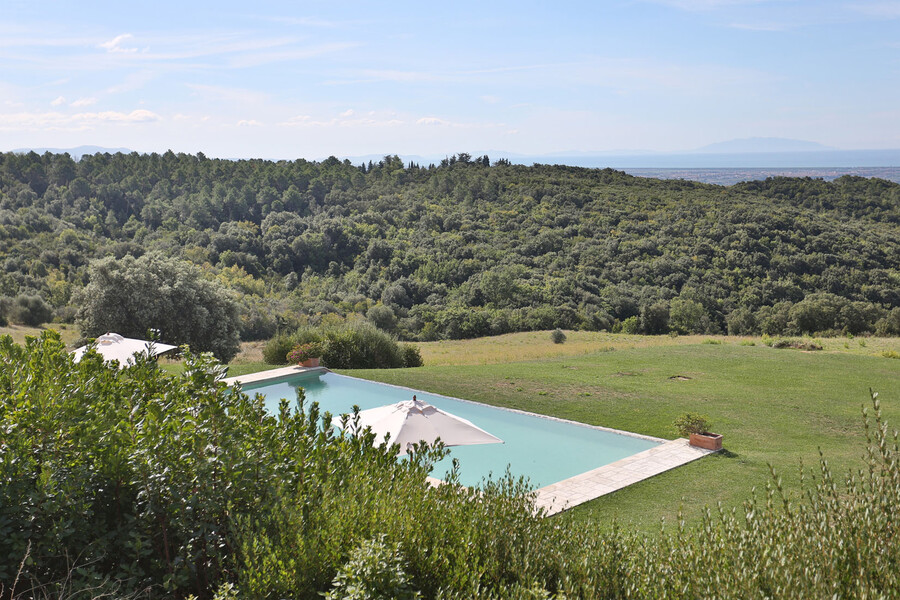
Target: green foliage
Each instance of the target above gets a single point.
(133, 295)
(688, 316)
(689, 423)
(350, 345)
(26, 309)
(463, 248)
(304, 352)
(124, 482)
(558, 336)
(631, 325)
(276, 349)
(796, 344)
(412, 356)
(375, 571)
(382, 317)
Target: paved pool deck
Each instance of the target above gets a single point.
(272, 375)
(571, 492)
(590, 485)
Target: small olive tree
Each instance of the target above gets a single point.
(132, 295)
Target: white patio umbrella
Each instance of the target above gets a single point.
(115, 347)
(413, 421)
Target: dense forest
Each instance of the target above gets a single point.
(464, 248)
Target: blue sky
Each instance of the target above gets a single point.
(310, 79)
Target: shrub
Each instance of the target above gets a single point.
(27, 309)
(890, 354)
(348, 345)
(797, 344)
(689, 423)
(412, 357)
(303, 352)
(276, 349)
(164, 486)
(558, 336)
(375, 571)
(631, 325)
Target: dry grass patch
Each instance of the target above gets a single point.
(68, 333)
(537, 345)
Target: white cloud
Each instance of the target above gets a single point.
(74, 122)
(84, 102)
(347, 113)
(59, 100)
(135, 116)
(115, 44)
(248, 123)
(432, 121)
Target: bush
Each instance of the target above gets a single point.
(412, 357)
(375, 571)
(349, 345)
(27, 309)
(689, 423)
(631, 325)
(558, 336)
(797, 344)
(276, 349)
(138, 482)
(303, 352)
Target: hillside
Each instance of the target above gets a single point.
(466, 248)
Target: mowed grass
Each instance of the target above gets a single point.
(774, 407)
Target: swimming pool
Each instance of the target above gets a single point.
(543, 449)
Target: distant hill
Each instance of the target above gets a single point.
(762, 144)
(465, 249)
(76, 152)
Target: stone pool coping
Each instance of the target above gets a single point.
(568, 493)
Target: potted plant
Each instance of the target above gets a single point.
(306, 355)
(696, 428)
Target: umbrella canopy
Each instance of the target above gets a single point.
(413, 421)
(113, 346)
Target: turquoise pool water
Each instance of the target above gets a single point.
(544, 450)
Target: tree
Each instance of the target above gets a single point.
(655, 318)
(687, 316)
(132, 295)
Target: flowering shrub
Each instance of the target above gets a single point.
(304, 352)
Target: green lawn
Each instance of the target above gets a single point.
(774, 407)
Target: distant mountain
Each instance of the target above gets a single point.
(762, 144)
(76, 152)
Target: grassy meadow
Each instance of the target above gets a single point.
(775, 407)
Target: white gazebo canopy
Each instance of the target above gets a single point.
(113, 346)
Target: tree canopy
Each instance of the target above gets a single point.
(130, 296)
(467, 247)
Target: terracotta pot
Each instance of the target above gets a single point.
(310, 362)
(710, 441)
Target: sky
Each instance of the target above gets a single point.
(309, 79)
